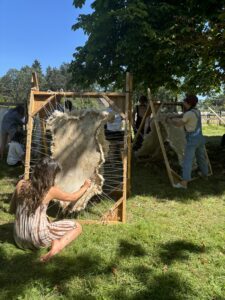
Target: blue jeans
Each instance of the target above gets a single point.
(195, 147)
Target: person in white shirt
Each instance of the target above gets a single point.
(195, 142)
(115, 129)
(16, 152)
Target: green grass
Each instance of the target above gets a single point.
(213, 130)
(172, 246)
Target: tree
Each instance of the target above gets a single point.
(8, 85)
(61, 78)
(176, 44)
(36, 67)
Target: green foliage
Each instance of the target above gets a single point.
(216, 101)
(15, 84)
(176, 44)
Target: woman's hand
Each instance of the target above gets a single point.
(87, 183)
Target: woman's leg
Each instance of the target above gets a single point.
(187, 163)
(58, 245)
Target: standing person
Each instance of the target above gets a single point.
(32, 229)
(138, 115)
(68, 106)
(12, 120)
(15, 155)
(195, 145)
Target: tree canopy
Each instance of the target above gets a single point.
(176, 44)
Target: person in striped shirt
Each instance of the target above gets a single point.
(32, 228)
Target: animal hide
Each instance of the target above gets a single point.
(175, 136)
(79, 145)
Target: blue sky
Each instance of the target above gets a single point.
(38, 29)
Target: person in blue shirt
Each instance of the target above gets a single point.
(12, 121)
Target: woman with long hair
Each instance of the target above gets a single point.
(32, 229)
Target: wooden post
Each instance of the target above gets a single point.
(209, 163)
(34, 81)
(30, 124)
(160, 140)
(222, 120)
(129, 154)
(125, 151)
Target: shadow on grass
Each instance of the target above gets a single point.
(167, 286)
(179, 250)
(12, 172)
(24, 269)
(152, 180)
(5, 197)
(130, 249)
(6, 233)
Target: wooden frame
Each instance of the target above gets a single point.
(40, 99)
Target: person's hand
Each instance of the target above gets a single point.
(87, 183)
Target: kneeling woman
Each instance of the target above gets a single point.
(32, 229)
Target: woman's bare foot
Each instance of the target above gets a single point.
(55, 248)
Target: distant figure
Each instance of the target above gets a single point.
(138, 115)
(16, 152)
(12, 122)
(68, 105)
(114, 130)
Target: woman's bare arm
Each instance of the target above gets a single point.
(56, 193)
(13, 201)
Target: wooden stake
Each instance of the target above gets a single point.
(29, 137)
(125, 152)
(222, 120)
(79, 94)
(34, 81)
(129, 144)
(209, 163)
(161, 140)
(113, 105)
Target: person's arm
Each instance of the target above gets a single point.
(13, 201)
(18, 119)
(134, 115)
(56, 193)
(177, 122)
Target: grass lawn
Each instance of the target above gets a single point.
(172, 247)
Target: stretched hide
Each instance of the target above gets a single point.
(175, 136)
(79, 145)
